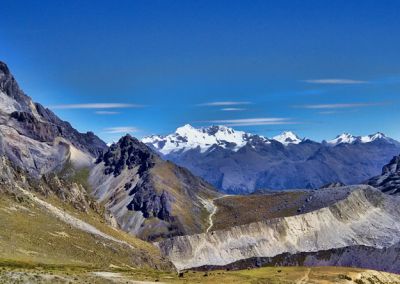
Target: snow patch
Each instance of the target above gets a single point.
(288, 137)
(8, 104)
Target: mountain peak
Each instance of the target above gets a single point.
(188, 137)
(373, 137)
(187, 126)
(288, 137)
(187, 129)
(39, 128)
(345, 137)
(4, 68)
(127, 152)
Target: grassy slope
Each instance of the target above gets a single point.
(240, 210)
(34, 235)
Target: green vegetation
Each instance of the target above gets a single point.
(80, 176)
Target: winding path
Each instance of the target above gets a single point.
(213, 211)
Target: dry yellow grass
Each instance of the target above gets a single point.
(239, 210)
(34, 235)
(268, 275)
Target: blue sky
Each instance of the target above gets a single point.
(316, 67)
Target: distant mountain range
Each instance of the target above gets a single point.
(239, 162)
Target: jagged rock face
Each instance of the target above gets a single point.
(389, 180)
(50, 184)
(366, 217)
(149, 197)
(129, 152)
(33, 137)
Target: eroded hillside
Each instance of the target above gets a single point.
(365, 217)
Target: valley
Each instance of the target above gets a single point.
(76, 210)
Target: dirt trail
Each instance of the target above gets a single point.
(213, 211)
(305, 279)
(114, 277)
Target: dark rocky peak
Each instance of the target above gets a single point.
(393, 166)
(10, 87)
(389, 180)
(127, 152)
(37, 122)
(4, 68)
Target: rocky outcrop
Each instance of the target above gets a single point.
(128, 152)
(389, 180)
(64, 188)
(333, 185)
(149, 197)
(366, 217)
(33, 137)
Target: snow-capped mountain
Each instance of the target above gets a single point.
(239, 162)
(346, 138)
(288, 137)
(343, 138)
(187, 137)
(373, 137)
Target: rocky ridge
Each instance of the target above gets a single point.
(34, 138)
(366, 217)
(149, 197)
(389, 180)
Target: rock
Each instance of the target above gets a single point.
(364, 217)
(149, 197)
(389, 180)
(33, 137)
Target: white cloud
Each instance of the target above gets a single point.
(94, 106)
(121, 129)
(337, 106)
(104, 112)
(225, 103)
(328, 112)
(232, 109)
(253, 121)
(335, 81)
